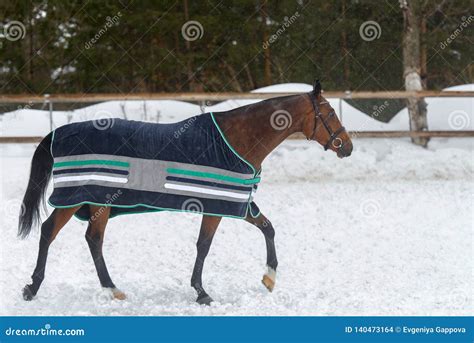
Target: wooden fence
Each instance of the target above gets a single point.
(88, 98)
(202, 98)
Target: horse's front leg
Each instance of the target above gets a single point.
(208, 229)
(266, 227)
(99, 217)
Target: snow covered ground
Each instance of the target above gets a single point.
(388, 231)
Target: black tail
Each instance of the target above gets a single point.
(41, 167)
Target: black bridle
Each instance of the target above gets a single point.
(317, 114)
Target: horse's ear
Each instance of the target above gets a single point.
(317, 88)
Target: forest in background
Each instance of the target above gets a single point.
(141, 46)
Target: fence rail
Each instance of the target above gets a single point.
(49, 99)
(87, 98)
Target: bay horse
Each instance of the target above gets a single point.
(253, 131)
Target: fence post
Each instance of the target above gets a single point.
(47, 100)
(202, 106)
(340, 109)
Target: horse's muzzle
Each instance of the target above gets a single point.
(344, 151)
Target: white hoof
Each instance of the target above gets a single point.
(118, 294)
(269, 279)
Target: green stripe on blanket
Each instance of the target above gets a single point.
(87, 162)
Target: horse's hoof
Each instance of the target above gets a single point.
(118, 294)
(28, 293)
(268, 282)
(204, 299)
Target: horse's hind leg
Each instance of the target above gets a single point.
(99, 217)
(49, 230)
(266, 227)
(208, 229)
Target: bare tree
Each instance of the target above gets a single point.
(249, 76)
(233, 77)
(417, 107)
(189, 63)
(267, 59)
(344, 48)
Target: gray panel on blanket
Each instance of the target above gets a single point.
(139, 167)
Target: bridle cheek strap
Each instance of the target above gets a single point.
(313, 100)
(317, 114)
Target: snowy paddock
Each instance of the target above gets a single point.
(388, 231)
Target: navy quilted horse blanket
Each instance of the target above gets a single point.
(136, 167)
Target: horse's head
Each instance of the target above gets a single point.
(323, 125)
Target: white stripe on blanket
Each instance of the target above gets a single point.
(90, 177)
(206, 191)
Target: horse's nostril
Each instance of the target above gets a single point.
(346, 152)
